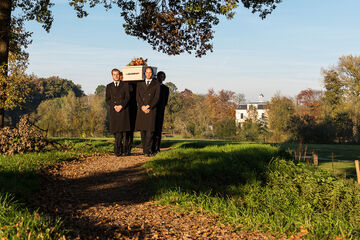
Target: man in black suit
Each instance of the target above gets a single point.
(164, 96)
(132, 113)
(147, 97)
(117, 97)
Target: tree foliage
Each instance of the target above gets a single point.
(73, 116)
(13, 87)
(280, 110)
(342, 83)
(100, 90)
(174, 27)
(38, 90)
(309, 103)
(173, 107)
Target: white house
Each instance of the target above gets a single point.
(241, 113)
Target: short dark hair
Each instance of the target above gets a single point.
(115, 69)
(159, 74)
(152, 71)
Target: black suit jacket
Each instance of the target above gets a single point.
(164, 97)
(120, 95)
(132, 104)
(147, 95)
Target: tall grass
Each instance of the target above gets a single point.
(255, 188)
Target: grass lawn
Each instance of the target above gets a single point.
(341, 169)
(341, 151)
(255, 188)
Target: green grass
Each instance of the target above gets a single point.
(19, 181)
(340, 169)
(341, 151)
(17, 222)
(253, 188)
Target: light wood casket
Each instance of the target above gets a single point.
(136, 73)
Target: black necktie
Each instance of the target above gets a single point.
(147, 83)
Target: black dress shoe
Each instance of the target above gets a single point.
(148, 154)
(117, 154)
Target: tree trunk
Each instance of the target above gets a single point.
(5, 18)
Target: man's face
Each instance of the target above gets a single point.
(161, 77)
(121, 77)
(148, 73)
(116, 75)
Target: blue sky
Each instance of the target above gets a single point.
(283, 53)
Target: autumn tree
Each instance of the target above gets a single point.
(173, 107)
(100, 90)
(172, 27)
(220, 108)
(220, 105)
(309, 102)
(342, 83)
(334, 89)
(193, 119)
(72, 116)
(13, 80)
(40, 89)
(280, 109)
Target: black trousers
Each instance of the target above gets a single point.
(120, 145)
(157, 141)
(147, 139)
(129, 140)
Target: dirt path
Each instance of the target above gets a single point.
(100, 198)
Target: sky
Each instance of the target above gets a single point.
(282, 54)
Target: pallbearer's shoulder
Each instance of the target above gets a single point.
(110, 84)
(157, 82)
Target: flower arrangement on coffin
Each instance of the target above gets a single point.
(138, 62)
(135, 70)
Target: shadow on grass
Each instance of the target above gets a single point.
(347, 172)
(216, 171)
(19, 184)
(192, 143)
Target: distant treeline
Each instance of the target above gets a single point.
(321, 116)
(60, 107)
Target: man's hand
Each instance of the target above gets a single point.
(118, 108)
(145, 109)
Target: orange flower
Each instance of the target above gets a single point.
(138, 62)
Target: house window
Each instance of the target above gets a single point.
(241, 116)
(243, 107)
